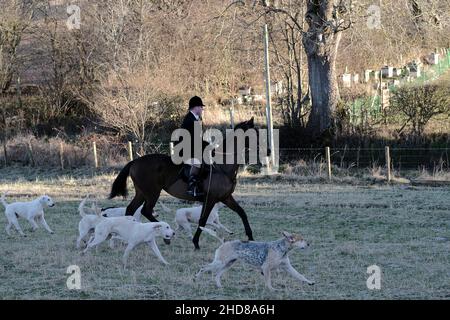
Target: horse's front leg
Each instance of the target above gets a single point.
(206, 210)
(233, 205)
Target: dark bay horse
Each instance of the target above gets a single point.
(156, 172)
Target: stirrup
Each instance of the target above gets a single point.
(195, 192)
(198, 193)
(193, 188)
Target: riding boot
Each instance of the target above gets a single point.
(193, 183)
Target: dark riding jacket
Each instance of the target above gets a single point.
(188, 124)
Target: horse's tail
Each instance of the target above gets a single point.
(119, 187)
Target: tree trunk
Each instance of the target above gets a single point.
(321, 43)
(324, 92)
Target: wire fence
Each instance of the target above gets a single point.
(101, 154)
(401, 158)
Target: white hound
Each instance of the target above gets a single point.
(120, 211)
(88, 222)
(185, 216)
(133, 233)
(32, 211)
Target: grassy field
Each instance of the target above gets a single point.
(403, 229)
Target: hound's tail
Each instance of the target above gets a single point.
(212, 233)
(119, 187)
(3, 199)
(81, 206)
(96, 209)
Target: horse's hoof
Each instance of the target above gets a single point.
(195, 242)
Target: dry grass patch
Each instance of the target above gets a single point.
(350, 227)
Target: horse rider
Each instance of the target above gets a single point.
(195, 114)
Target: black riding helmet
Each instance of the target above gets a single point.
(195, 102)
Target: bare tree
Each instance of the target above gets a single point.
(326, 21)
(57, 56)
(419, 104)
(15, 18)
(130, 104)
(286, 41)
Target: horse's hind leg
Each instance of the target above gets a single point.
(135, 203)
(150, 201)
(233, 205)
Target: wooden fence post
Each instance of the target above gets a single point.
(61, 155)
(388, 163)
(5, 136)
(95, 154)
(30, 153)
(5, 152)
(266, 169)
(130, 150)
(357, 157)
(232, 117)
(328, 156)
